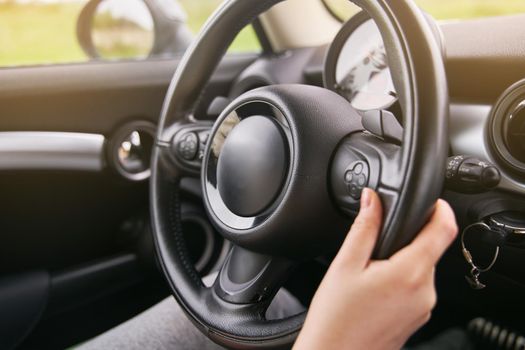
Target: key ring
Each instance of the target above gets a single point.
(476, 271)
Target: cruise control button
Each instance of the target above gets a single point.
(356, 178)
(349, 176)
(358, 168)
(188, 146)
(354, 191)
(361, 180)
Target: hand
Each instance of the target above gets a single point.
(365, 304)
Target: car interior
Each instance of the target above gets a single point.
(236, 141)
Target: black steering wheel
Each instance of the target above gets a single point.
(282, 166)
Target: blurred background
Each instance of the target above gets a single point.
(45, 31)
(450, 9)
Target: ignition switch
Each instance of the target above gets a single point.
(500, 229)
(510, 226)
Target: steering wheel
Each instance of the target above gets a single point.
(285, 165)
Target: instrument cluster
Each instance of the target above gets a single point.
(356, 66)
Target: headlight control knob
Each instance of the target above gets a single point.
(467, 174)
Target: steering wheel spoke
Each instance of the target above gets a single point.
(182, 154)
(362, 160)
(247, 277)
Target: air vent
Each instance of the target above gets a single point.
(507, 129)
(129, 150)
(514, 132)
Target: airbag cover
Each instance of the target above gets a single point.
(252, 165)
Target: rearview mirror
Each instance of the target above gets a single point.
(119, 29)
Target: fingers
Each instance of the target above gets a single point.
(434, 238)
(360, 241)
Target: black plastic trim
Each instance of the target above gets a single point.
(77, 286)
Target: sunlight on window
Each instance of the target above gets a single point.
(44, 31)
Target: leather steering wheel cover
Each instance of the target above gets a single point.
(417, 63)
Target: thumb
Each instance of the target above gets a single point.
(358, 246)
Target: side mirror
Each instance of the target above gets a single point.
(112, 29)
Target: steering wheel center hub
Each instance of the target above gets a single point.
(252, 165)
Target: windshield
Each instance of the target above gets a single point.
(442, 9)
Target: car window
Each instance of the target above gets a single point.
(442, 9)
(37, 32)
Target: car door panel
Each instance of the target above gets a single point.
(71, 224)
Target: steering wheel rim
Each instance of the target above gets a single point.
(416, 62)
